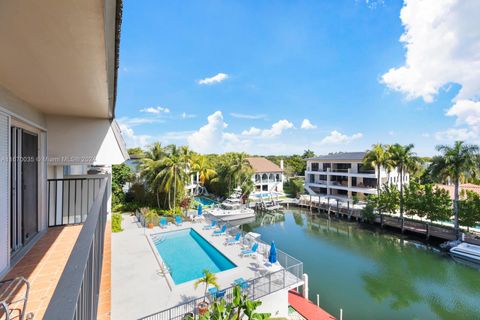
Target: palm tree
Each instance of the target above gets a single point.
(151, 166)
(201, 166)
(378, 157)
(239, 167)
(405, 160)
(209, 279)
(172, 174)
(455, 162)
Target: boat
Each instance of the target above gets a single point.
(466, 251)
(232, 208)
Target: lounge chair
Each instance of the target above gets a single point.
(242, 283)
(213, 225)
(215, 293)
(252, 251)
(234, 240)
(163, 223)
(220, 232)
(178, 220)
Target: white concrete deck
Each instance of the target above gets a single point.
(138, 286)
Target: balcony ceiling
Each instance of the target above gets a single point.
(58, 55)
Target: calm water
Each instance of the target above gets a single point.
(371, 274)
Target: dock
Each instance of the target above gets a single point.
(421, 228)
(306, 308)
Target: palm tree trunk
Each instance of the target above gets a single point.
(401, 199)
(455, 208)
(378, 180)
(174, 190)
(158, 200)
(169, 201)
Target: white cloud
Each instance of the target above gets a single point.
(155, 110)
(277, 128)
(454, 134)
(135, 121)
(442, 41)
(248, 116)
(252, 132)
(185, 115)
(208, 138)
(307, 125)
(131, 138)
(336, 137)
(219, 77)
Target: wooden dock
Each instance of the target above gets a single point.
(421, 228)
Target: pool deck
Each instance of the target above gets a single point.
(139, 287)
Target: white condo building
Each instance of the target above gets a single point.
(344, 175)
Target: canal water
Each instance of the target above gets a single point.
(372, 274)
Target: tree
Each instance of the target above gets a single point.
(209, 279)
(308, 154)
(455, 162)
(295, 165)
(138, 152)
(151, 167)
(405, 160)
(121, 174)
(377, 158)
(469, 209)
(201, 165)
(389, 199)
(173, 174)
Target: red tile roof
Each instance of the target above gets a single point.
(466, 186)
(263, 165)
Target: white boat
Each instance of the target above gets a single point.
(466, 251)
(232, 208)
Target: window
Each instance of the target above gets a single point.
(264, 177)
(278, 178)
(257, 178)
(315, 166)
(312, 178)
(271, 177)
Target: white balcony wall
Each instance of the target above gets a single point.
(75, 141)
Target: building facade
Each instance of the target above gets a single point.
(345, 175)
(268, 176)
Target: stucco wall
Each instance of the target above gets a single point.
(276, 304)
(20, 109)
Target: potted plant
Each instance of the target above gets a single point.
(208, 279)
(149, 215)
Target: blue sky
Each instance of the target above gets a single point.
(269, 65)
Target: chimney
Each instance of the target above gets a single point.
(281, 164)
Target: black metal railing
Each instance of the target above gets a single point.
(71, 199)
(76, 294)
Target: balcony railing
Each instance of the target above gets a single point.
(290, 275)
(76, 294)
(71, 199)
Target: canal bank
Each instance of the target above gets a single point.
(372, 274)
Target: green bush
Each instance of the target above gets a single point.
(116, 222)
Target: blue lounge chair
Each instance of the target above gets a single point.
(163, 222)
(241, 283)
(213, 225)
(253, 250)
(220, 232)
(178, 220)
(234, 240)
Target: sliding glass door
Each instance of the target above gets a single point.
(24, 181)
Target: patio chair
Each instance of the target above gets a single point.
(220, 232)
(242, 283)
(252, 251)
(178, 220)
(234, 240)
(163, 223)
(213, 225)
(13, 299)
(215, 294)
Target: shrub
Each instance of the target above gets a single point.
(116, 222)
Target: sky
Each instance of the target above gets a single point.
(280, 77)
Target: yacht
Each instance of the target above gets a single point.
(232, 208)
(466, 251)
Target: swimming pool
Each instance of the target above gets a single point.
(264, 195)
(205, 201)
(186, 254)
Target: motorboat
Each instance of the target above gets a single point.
(466, 251)
(232, 208)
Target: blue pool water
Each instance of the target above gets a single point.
(187, 254)
(264, 195)
(205, 201)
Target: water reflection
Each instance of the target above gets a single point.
(367, 270)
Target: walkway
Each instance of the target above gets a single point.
(306, 308)
(43, 265)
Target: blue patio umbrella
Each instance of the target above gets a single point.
(272, 256)
(199, 210)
